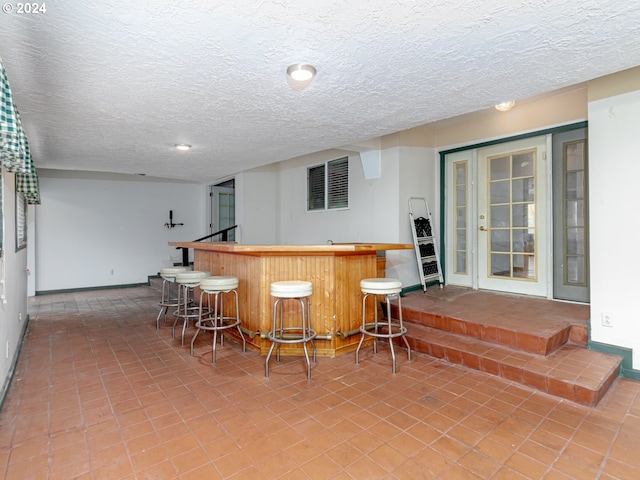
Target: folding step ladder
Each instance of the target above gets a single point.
(424, 241)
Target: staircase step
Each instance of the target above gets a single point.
(570, 372)
(532, 325)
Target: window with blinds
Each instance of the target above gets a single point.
(21, 221)
(328, 185)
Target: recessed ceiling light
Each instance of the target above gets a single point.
(301, 72)
(300, 76)
(183, 147)
(505, 106)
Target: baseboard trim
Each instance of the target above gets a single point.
(626, 367)
(86, 289)
(415, 288)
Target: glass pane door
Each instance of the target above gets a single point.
(511, 217)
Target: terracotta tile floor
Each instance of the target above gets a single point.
(100, 394)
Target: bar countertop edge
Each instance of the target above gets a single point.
(317, 249)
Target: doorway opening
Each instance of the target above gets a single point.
(223, 207)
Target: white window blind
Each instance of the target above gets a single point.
(338, 183)
(328, 185)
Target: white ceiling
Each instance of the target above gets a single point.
(111, 86)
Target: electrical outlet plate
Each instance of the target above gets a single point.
(607, 320)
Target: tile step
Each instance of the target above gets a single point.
(545, 338)
(571, 372)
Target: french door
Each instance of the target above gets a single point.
(497, 207)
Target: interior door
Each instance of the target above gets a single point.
(512, 217)
(570, 216)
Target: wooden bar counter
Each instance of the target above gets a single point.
(334, 270)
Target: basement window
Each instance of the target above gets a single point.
(328, 185)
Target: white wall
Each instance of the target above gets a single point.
(99, 230)
(419, 177)
(371, 204)
(614, 170)
(378, 208)
(13, 312)
(256, 194)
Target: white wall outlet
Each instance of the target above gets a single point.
(19, 316)
(607, 320)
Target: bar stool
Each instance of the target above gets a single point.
(216, 321)
(187, 310)
(390, 288)
(279, 334)
(168, 275)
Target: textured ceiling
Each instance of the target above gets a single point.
(111, 86)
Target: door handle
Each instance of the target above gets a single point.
(482, 229)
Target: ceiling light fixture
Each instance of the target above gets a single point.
(183, 147)
(300, 75)
(301, 72)
(505, 106)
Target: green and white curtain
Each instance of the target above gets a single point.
(14, 147)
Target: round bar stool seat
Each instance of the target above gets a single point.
(390, 288)
(219, 283)
(291, 289)
(291, 334)
(187, 310)
(381, 286)
(215, 320)
(168, 275)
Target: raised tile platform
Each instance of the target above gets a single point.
(536, 342)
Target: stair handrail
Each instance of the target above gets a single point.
(225, 238)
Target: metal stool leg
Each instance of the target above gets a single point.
(309, 336)
(393, 353)
(273, 344)
(362, 328)
(244, 342)
(175, 322)
(195, 335)
(217, 317)
(404, 337)
(304, 339)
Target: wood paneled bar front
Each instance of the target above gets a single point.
(335, 270)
